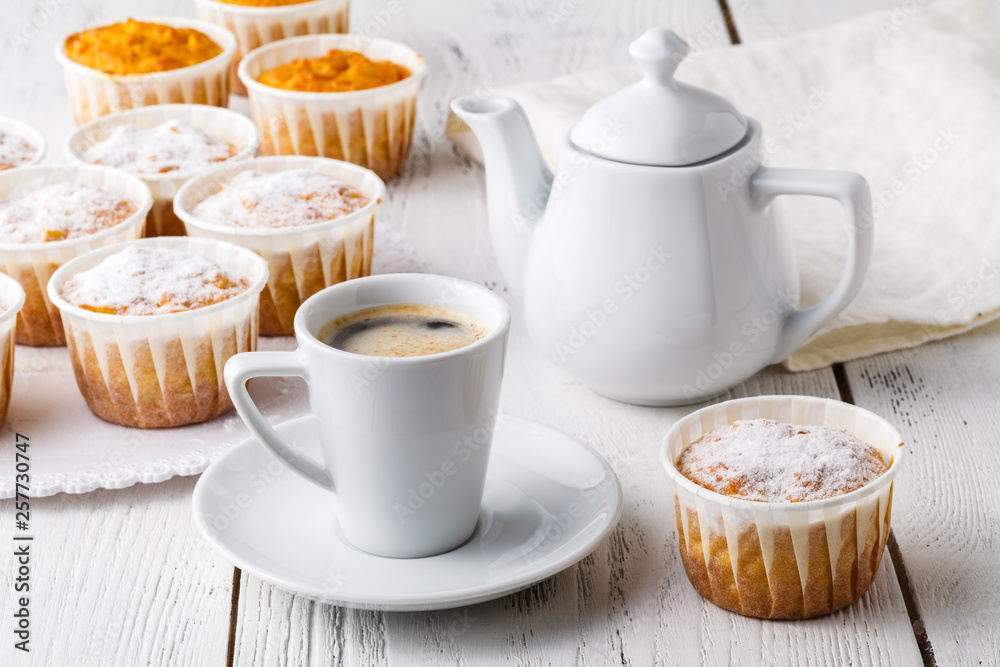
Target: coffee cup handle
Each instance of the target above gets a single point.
(851, 190)
(242, 367)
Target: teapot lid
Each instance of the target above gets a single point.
(659, 121)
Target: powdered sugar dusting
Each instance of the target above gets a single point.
(141, 280)
(771, 461)
(14, 151)
(60, 211)
(283, 199)
(173, 145)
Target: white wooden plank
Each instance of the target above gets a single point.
(943, 397)
(118, 578)
(630, 601)
(626, 602)
(946, 514)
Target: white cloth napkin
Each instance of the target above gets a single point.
(911, 100)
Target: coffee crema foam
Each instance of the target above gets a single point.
(403, 330)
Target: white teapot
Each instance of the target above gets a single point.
(651, 266)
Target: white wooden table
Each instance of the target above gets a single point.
(121, 577)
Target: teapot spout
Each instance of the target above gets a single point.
(517, 178)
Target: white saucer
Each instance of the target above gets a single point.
(549, 501)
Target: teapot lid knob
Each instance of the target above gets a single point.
(659, 121)
(659, 51)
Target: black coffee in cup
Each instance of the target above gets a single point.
(403, 330)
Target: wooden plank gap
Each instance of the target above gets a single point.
(734, 35)
(919, 632)
(843, 385)
(233, 613)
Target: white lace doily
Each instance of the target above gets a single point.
(73, 451)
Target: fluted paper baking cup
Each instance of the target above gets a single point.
(255, 26)
(783, 560)
(29, 134)
(32, 264)
(93, 93)
(151, 371)
(302, 260)
(11, 301)
(227, 125)
(372, 128)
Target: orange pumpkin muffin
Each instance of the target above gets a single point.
(336, 72)
(139, 47)
(150, 325)
(780, 521)
(259, 22)
(336, 96)
(140, 63)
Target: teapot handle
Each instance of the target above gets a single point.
(851, 190)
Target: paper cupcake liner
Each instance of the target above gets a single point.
(256, 26)
(11, 301)
(151, 371)
(29, 134)
(302, 260)
(372, 128)
(783, 560)
(32, 264)
(93, 93)
(228, 125)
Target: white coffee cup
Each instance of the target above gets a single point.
(405, 440)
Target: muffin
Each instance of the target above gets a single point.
(165, 146)
(312, 219)
(20, 144)
(48, 216)
(150, 325)
(142, 63)
(11, 301)
(259, 22)
(371, 127)
(782, 503)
